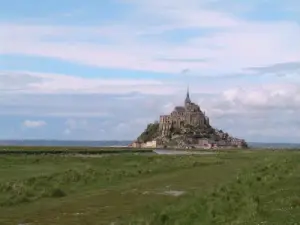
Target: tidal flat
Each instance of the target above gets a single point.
(260, 187)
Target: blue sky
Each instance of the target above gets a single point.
(102, 70)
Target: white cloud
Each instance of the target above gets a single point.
(26, 82)
(182, 14)
(253, 112)
(43, 83)
(265, 113)
(63, 96)
(280, 96)
(229, 42)
(215, 40)
(34, 123)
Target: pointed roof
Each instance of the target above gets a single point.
(187, 98)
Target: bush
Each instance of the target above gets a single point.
(149, 133)
(57, 193)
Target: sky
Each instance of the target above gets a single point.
(103, 70)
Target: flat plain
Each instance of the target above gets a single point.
(246, 187)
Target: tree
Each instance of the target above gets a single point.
(149, 133)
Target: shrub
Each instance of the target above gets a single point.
(149, 133)
(57, 193)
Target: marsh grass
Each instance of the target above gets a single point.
(245, 200)
(227, 188)
(60, 184)
(34, 188)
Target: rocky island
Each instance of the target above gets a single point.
(186, 127)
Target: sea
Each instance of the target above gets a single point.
(121, 143)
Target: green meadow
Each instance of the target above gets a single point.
(228, 188)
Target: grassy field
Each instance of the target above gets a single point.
(258, 187)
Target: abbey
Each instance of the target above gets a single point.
(186, 127)
(189, 114)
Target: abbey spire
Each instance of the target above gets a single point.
(187, 98)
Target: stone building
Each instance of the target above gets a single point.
(189, 114)
(148, 144)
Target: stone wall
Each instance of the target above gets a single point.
(149, 144)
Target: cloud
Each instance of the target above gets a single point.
(45, 83)
(244, 112)
(266, 97)
(243, 72)
(182, 14)
(241, 108)
(34, 123)
(280, 69)
(212, 40)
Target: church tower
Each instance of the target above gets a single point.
(187, 98)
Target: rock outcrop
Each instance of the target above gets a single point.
(191, 137)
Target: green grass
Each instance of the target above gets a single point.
(227, 188)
